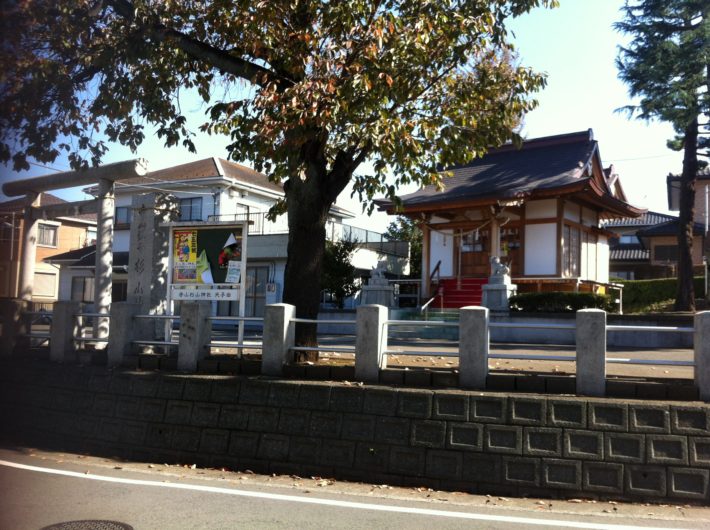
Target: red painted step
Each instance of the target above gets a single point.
(469, 291)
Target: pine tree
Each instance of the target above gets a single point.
(666, 67)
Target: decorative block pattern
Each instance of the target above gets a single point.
(522, 471)
(380, 402)
(585, 445)
(699, 451)
(506, 439)
(567, 413)
(465, 436)
(649, 418)
(430, 434)
(541, 441)
(527, 411)
(451, 406)
(624, 447)
(667, 449)
(489, 409)
(563, 474)
(473, 441)
(645, 481)
(690, 420)
(414, 404)
(688, 483)
(485, 468)
(608, 416)
(602, 477)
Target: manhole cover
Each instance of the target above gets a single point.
(89, 525)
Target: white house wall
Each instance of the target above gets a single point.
(541, 249)
(602, 259)
(442, 244)
(541, 209)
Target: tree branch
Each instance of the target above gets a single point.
(202, 51)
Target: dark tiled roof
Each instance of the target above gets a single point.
(669, 228)
(629, 253)
(86, 257)
(647, 219)
(46, 199)
(541, 164)
(73, 255)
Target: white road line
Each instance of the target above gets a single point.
(336, 503)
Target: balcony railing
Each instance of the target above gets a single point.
(260, 225)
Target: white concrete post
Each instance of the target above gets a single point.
(590, 338)
(62, 346)
(104, 257)
(14, 325)
(474, 340)
(701, 345)
(195, 331)
(370, 342)
(278, 338)
(124, 330)
(495, 239)
(29, 247)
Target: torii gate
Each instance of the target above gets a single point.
(105, 176)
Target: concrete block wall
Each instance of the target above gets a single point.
(462, 440)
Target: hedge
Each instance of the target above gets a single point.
(560, 302)
(639, 294)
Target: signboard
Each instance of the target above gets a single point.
(208, 262)
(208, 255)
(205, 293)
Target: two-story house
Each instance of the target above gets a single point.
(55, 236)
(214, 189)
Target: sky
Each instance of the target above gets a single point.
(575, 45)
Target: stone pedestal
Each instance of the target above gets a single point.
(377, 295)
(496, 296)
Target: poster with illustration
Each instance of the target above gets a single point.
(185, 256)
(209, 255)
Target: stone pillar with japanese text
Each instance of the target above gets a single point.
(148, 255)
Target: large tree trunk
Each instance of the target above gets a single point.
(685, 296)
(307, 208)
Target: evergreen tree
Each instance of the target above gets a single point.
(338, 270)
(404, 229)
(666, 68)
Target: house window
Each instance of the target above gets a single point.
(44, 285)
(570, 252)
(119, 290)
(47, 235)
(628, 239)
(90, 236)
(82, 289)
(191, 209)
(665, 253)
(122, 215)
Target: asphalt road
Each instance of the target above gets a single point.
(43, 489)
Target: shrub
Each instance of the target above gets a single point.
(560, 302)
(640, 294)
